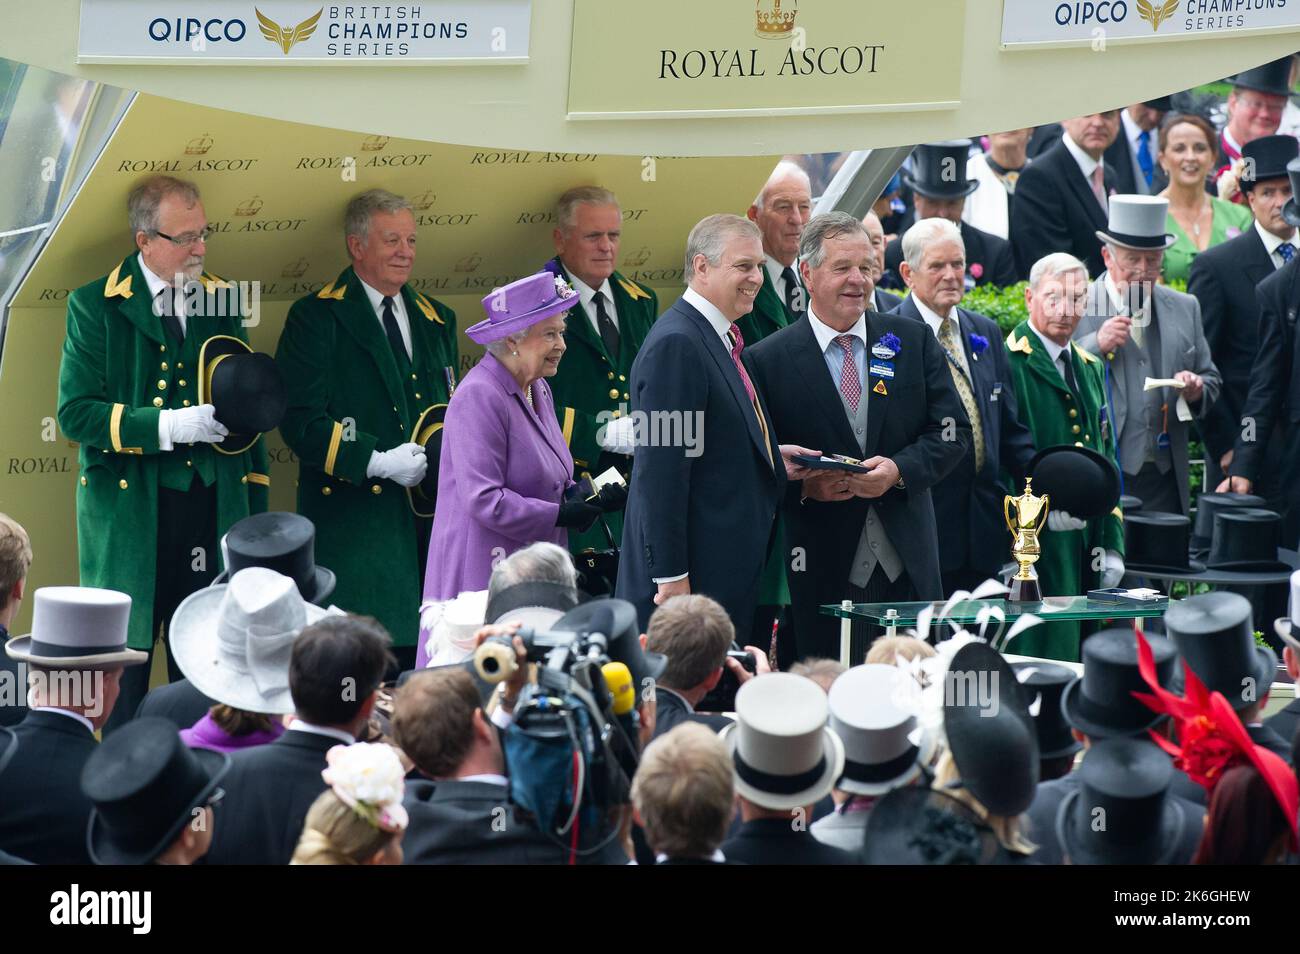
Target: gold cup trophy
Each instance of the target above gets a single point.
(1025, 516)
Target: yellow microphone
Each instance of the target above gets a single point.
(622, 691)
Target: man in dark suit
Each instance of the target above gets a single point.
(869, 386)
(702, 500)
(685, 796)
(940, 186)
(881, 300)
(1132, 156)
(335, 669)
(968, 503)
(177, 702)
(15, 561)
(1224, 278)
(1061, 199)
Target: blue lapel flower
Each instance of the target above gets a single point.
(887, 346)
(978, 343)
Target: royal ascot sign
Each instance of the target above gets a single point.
(692, 59)
(1039, 23)
(297, 32)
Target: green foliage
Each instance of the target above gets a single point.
(1006, 306)
(1261, 641)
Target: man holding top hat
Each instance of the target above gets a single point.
(365, 358)
(155, 377)
(1157, 365)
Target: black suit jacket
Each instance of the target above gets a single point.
(989, 259)
(706, 510)
(885, 301)
(919, 423)
(178, 702)
(1285, 722)
(1223, 279)
(1119, 159)
(672, 710)
(1267, 737)
(43, 815)
(774, 841)
(1043, 138)
(14, 709)
(969, 506)
(1055, 211)
(269, 789)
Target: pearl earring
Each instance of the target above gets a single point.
(515, 353)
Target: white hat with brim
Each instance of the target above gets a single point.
(1288, 627)
(77, 627)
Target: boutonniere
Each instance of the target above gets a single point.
(1231, 232)
(977, 345)
(887, 346)
(976, 271)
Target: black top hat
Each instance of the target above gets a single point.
(428, 434)
(1128, 780)
(1289, 211)
(246, 388)
(1128, 503)
(1078, 480)
(145, 784)
(939, 170)
(1207, 505)
(1155, 541)
(284, 542)
(1215, 635)
(1274, 77)
(1048, 681)
(1100, 703)
(919, 826)
(617, 620)
(1267, 158)
(1161, 103)
(1246, 539)
(990, 733)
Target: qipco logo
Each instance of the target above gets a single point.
(193, 30)
(1085, 11)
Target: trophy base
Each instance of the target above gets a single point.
(1024, 591)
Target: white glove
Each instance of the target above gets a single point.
(1112, 570)
(405, 464)
(190, 425)
(619, 436)
(1061, 520)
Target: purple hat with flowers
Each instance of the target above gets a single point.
(514, 307)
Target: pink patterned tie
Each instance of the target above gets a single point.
(738, 345)
(850, 383)
(1099, 186)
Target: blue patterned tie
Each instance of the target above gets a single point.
(1287, 251)
(1144, 156)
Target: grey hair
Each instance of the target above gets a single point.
(828, 225)
(785, 169)
(356, 220)
(1057, 263)
(143, 201)
(566, 210)
(925, 233)
(535, 563)
(710, 235)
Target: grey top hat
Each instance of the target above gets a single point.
(233, 640)
(883, 745)
(1137, 221)
(783, 753)
(77, 627)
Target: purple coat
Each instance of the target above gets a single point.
(206, 734)
(504, 469)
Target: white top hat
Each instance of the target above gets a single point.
(1137, 221)
(77, 627)
(1288, 628)
(233, 640)
(783, 753)
(884, 748)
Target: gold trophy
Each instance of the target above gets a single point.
(1025, 516)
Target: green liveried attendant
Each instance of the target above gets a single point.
(162, 477)
(364, 358)
(603, 334)
(1061, 390)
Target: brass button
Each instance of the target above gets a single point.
(157, 402)
(1075, 429)
(105, 450)
(1087, 437)
(162, 384)
(326, 491)
(613, 393)
(394, 407)
(186, 403)
(122, 484)
(417, 395)
(622, 377)
(182, 382)
(625, 396)
(611, 375)
(190, 463)
(83, 480)
(180, 364)
(1078, 443)
(162, 347)
(376, 489)
(1073, 413)
(242, 480)
(618, 414)
(163, 366)
(413, 377)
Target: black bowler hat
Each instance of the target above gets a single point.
(1100, 703)
(1289, 211)
(1155, 542)
(1207, 505)
(1048, 682)
(145, 785)
(1267, 158)
(1246, 539)
(246, 388)
(1215, 635)
(1080, 481)
(939, 170)
(1142, 823)
(1128, 503)
(428, 434)
(1274, 77)
(283, 542)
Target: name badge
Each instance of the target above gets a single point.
(882, 369)
(997, 392)
(882, 351)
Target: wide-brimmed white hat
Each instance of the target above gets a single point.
(782, 751)
(451, 625)
(884, 747)
(77, 627)
(233, 640)
(1137, 221)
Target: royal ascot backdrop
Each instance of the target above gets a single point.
(275, 192)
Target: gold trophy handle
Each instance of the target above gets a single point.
(1006, 513)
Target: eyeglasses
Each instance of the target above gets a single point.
(187, 239)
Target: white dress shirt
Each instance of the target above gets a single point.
(832, 352)
(1272, 243)
(487, 779)
(297, 725)
(66, 712)
(399, 312)
(1086, 163)
(587, 298)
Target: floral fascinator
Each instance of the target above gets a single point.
(368, 778)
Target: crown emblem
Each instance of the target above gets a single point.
(374, 143)
(470, 262)
(198, 146)
(775, 23)
(424, 200)
(295, 269)
(1156, 12)
(638, 258)
(249, 207)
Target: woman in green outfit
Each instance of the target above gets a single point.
(1187, 145)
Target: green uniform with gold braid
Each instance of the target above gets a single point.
(348, 398)
(119, 371)
(590, 381)
(1056, 416)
